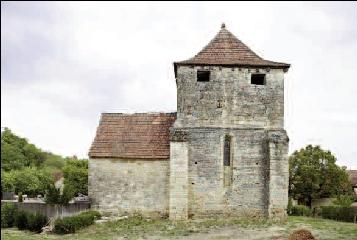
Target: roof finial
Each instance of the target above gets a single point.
(223, 26)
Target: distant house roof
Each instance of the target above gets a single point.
(227, 49)
(353, 176)
(138, 135)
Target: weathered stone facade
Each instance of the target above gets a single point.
(228, 147)
(129, 186)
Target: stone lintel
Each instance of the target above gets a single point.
(178, 135)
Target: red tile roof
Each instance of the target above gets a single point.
(353, 176)
(226, 49)
(139, 135)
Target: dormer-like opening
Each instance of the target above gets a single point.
(203, 76)
(257, 79)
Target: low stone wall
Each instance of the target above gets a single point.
(52, 210)
(322, 202)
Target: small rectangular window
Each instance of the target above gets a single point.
(203, 76)
(257, 79)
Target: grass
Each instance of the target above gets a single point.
(136, 228)
(342, 229)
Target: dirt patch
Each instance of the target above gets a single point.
(229, 233)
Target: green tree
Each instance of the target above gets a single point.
(53, 161)
(11, 157)
(314, 174)
(7, 181)
(344, 200)
(29, 180)
(17, 152)
(75, 174)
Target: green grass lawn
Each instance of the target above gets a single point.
(137, 228)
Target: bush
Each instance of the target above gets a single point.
(300, 210)
(68, 194)
(21, 220)
(316, 212)
(344, 200)
(72, 224)
(347, 214)
(53, 195)
(75, 174)
(35, 222)
(8, 213)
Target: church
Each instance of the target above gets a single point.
(224, 152)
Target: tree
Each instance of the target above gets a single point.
(75, 174)
(11, 157)
(17, 152)
(314, 174)
(53, 161)
(29, 180)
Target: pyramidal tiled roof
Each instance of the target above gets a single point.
(227, 49)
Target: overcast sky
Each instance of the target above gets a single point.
(62, 64)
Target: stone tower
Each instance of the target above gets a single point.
(228, 146)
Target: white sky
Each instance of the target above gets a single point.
(62, 64)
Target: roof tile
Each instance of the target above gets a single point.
(227, 49)
(139, 135)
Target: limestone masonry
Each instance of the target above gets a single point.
(223, 153)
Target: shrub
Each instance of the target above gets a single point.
(54, 196)
(21, 220)
(72, 224)
(31, 221)
(76, 175)
(20, 197)
(344, 200)
(300, 210)
(347, 214)
(8, 213)
(35, 222)
(316, 212)
(68, 194)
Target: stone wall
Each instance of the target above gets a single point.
(229, 105)
(246, 194)
(229, 99)
(179, 181)
(128, 186)
(51, 210)
(278, 174)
